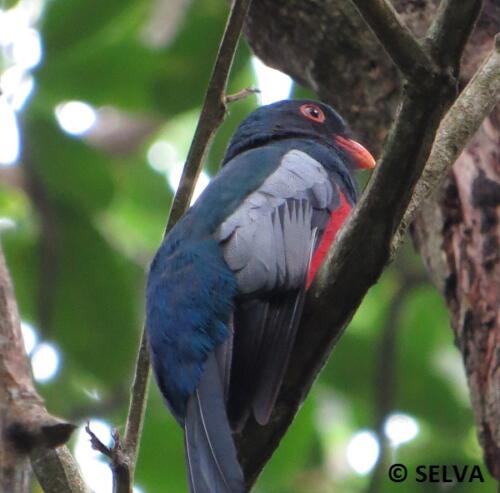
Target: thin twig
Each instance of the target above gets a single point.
(399, 42)
(211, 116)
(138, 399)
(213, 110)
(238, 96)
(122, 480)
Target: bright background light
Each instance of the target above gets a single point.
(27, 48)
(17, 86)
(9, 134)
(362, 452)
(273, 84)
(164, 158)
(30, 337)
(95, 471)
(21, 47)
(94, 467)
(15, 21)
(75, 117)
(45, 362)
(6, 223)
(400, 428)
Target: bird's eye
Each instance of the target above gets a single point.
(313, 112)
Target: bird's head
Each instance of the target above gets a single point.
(299, 119)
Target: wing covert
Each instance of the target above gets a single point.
(268, 243)
(267, 240)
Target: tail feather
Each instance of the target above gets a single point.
(224, 357)
(210, 450)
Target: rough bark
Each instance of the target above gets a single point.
(326, 46)
(458, 236)
(14, 467)
(27, 430)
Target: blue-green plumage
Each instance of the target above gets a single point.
(241, 254)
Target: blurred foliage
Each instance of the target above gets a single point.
(88, 221)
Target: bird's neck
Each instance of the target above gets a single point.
(252, 138)
(320, 148)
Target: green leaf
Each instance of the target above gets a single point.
(71, 25)
(8, 4)
(21, 255)
(102, 60)
(136, 219)
(71, 171)
(294, 452)
(96, 298)
(423, 336)
(161, 465)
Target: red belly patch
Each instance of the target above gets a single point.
(337, 218)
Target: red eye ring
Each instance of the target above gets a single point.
(313, 112)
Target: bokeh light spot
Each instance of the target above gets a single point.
(273, 84)
(164, 159)
(6, 223)
(27, 48)
(162, 155)
(75, 117)
(362, 452)
(45, 362)
(30, 337)
(9, 134)
(95, 471)
(400, 428)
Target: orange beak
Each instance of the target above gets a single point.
(360, 155)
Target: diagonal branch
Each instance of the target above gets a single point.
(444, 41)
(461, 122)
(213, 110)
(362, 250)
(122, 480)
(363, 246)
(399, 42)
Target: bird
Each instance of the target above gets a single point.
(226, 288)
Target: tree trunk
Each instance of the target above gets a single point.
(458, 237)
(27, 431)
(15, 473)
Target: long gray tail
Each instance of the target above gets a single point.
(210, 451)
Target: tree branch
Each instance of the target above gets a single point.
(120, 464)
(213, 110)
(57, 471)
(211, 116)
(460, 123)
(445, 42)
(363, 246)
(138, 400)
(26, 428)
(397, 40)
(362, 250)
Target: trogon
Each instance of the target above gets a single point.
(226, 288)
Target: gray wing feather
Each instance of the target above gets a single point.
(268, 242)
(276, 215)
